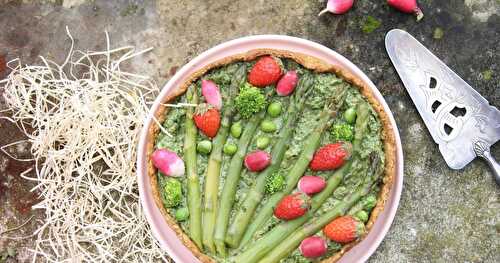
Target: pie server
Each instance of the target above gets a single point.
(459, 119)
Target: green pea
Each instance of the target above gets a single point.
(361, 216)
(236, 130)
(204, 147)
(350, 115)
(370, 202)
(274, 109)
(182, 214)
(268, 126)
(230, 148)
(263, 142)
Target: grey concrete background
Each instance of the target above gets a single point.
(444, 215)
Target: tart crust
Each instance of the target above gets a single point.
(311, 63)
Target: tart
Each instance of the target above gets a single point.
(259, 155)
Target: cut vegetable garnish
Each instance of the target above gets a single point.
(211, 93)
(257, 161)
(168, 162)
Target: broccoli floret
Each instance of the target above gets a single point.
(249, 101)
(274, 183)
(342, 132)
(173, 192)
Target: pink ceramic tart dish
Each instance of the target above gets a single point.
(383, 215)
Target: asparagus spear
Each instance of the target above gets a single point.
(234, 172)
(310, 146)
(292, 241)
(273, 241)
(231, 182)
(356, 208)
(214, 163)
(281, 231)
(363, 113)
(270, 240)
(254, 195)
(193, 184)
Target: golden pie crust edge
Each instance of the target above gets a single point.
(311, 63)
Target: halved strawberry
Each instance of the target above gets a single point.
(265, 72)
(330, 156)
(207, 119)
(344, 229)
(292, 206)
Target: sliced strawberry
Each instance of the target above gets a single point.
(265, 72)
(330, 156)
(292, 206)
(344, 229)
(207, 119)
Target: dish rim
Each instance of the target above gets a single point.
(167, 238)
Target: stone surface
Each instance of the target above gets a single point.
(444, 215)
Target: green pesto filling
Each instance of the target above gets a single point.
(324, 84)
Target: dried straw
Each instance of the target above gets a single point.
(85, 115)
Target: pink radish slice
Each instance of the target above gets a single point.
(257, 161)
(286, 85)
(337, 7)
(311, 184)
(313, 247)
(168, 162)
(211, 93)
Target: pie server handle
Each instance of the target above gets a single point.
(494, 166)
(485, 153)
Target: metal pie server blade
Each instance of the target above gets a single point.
(459, 119)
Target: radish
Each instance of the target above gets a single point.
(407, 6)
(257, 161)
(337, 7)
(313, 247)
(311, 184)
(168, 162)
(286, 85)
(211, 93)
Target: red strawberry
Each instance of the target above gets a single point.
(292, 206)
(330, 156)
(207, 119)
(344, 229)
(265, 72)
